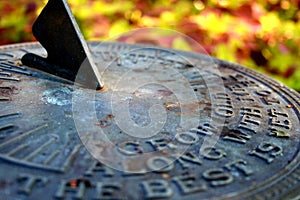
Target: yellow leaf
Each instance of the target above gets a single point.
(118, 28)
(270, 22)
(181, 44)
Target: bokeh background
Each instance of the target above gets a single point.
(260, 34)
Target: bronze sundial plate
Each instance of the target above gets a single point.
(227, 132)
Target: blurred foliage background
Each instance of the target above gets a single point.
(260, 34)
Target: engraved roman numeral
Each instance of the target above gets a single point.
(4, 99)
(9, 78)
(52, 156)
(14, 70)
(11, 65)
(71, 157)
(21, 137)
(5, 73)
(5, 56)
(41, 157)
(4, 116)
(40, 149)
(4, 128)
(6, 68)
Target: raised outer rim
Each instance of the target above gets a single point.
(284, 184)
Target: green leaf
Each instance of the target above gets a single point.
(280, 134)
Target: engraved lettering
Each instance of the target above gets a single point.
(157, 189)
(249, 123)
(130, 148)
(267, 151)
(236, 77)
(245, 99)
(263, 92)
(270, 100)
(238, 90)
(161, 144)
(188, 184)
(212, 153)
(158, 144)
(217, 177)
(108, 191)
(247, 120)
(196, 81)
(205, 129)
(250, 119)
(222, 96)
(224, 111)
(223, 105)
(75, 186)
(160, 164)
(267, 97)
(240, 165)
(281, 122)
(99, 167)
(255, 112)
(188, 157)
(236, 136)
(30, 182)
(187, 138)
(278, 112)
(244, 80)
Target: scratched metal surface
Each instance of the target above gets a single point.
(42, 156)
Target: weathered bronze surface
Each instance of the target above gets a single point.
(42, 155)
(67, 51)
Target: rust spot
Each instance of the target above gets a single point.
(19, 64)
(104, 89)
(106, 121)
(227, 132)
(103, 123)
(110, 116)
(7, 91)
(164, 152)
(290, 106)
(74, 183)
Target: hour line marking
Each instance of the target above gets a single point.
(21, 137)
(40, 149)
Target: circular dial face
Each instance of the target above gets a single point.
(169, 124)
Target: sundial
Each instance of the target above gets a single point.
(166, 124)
